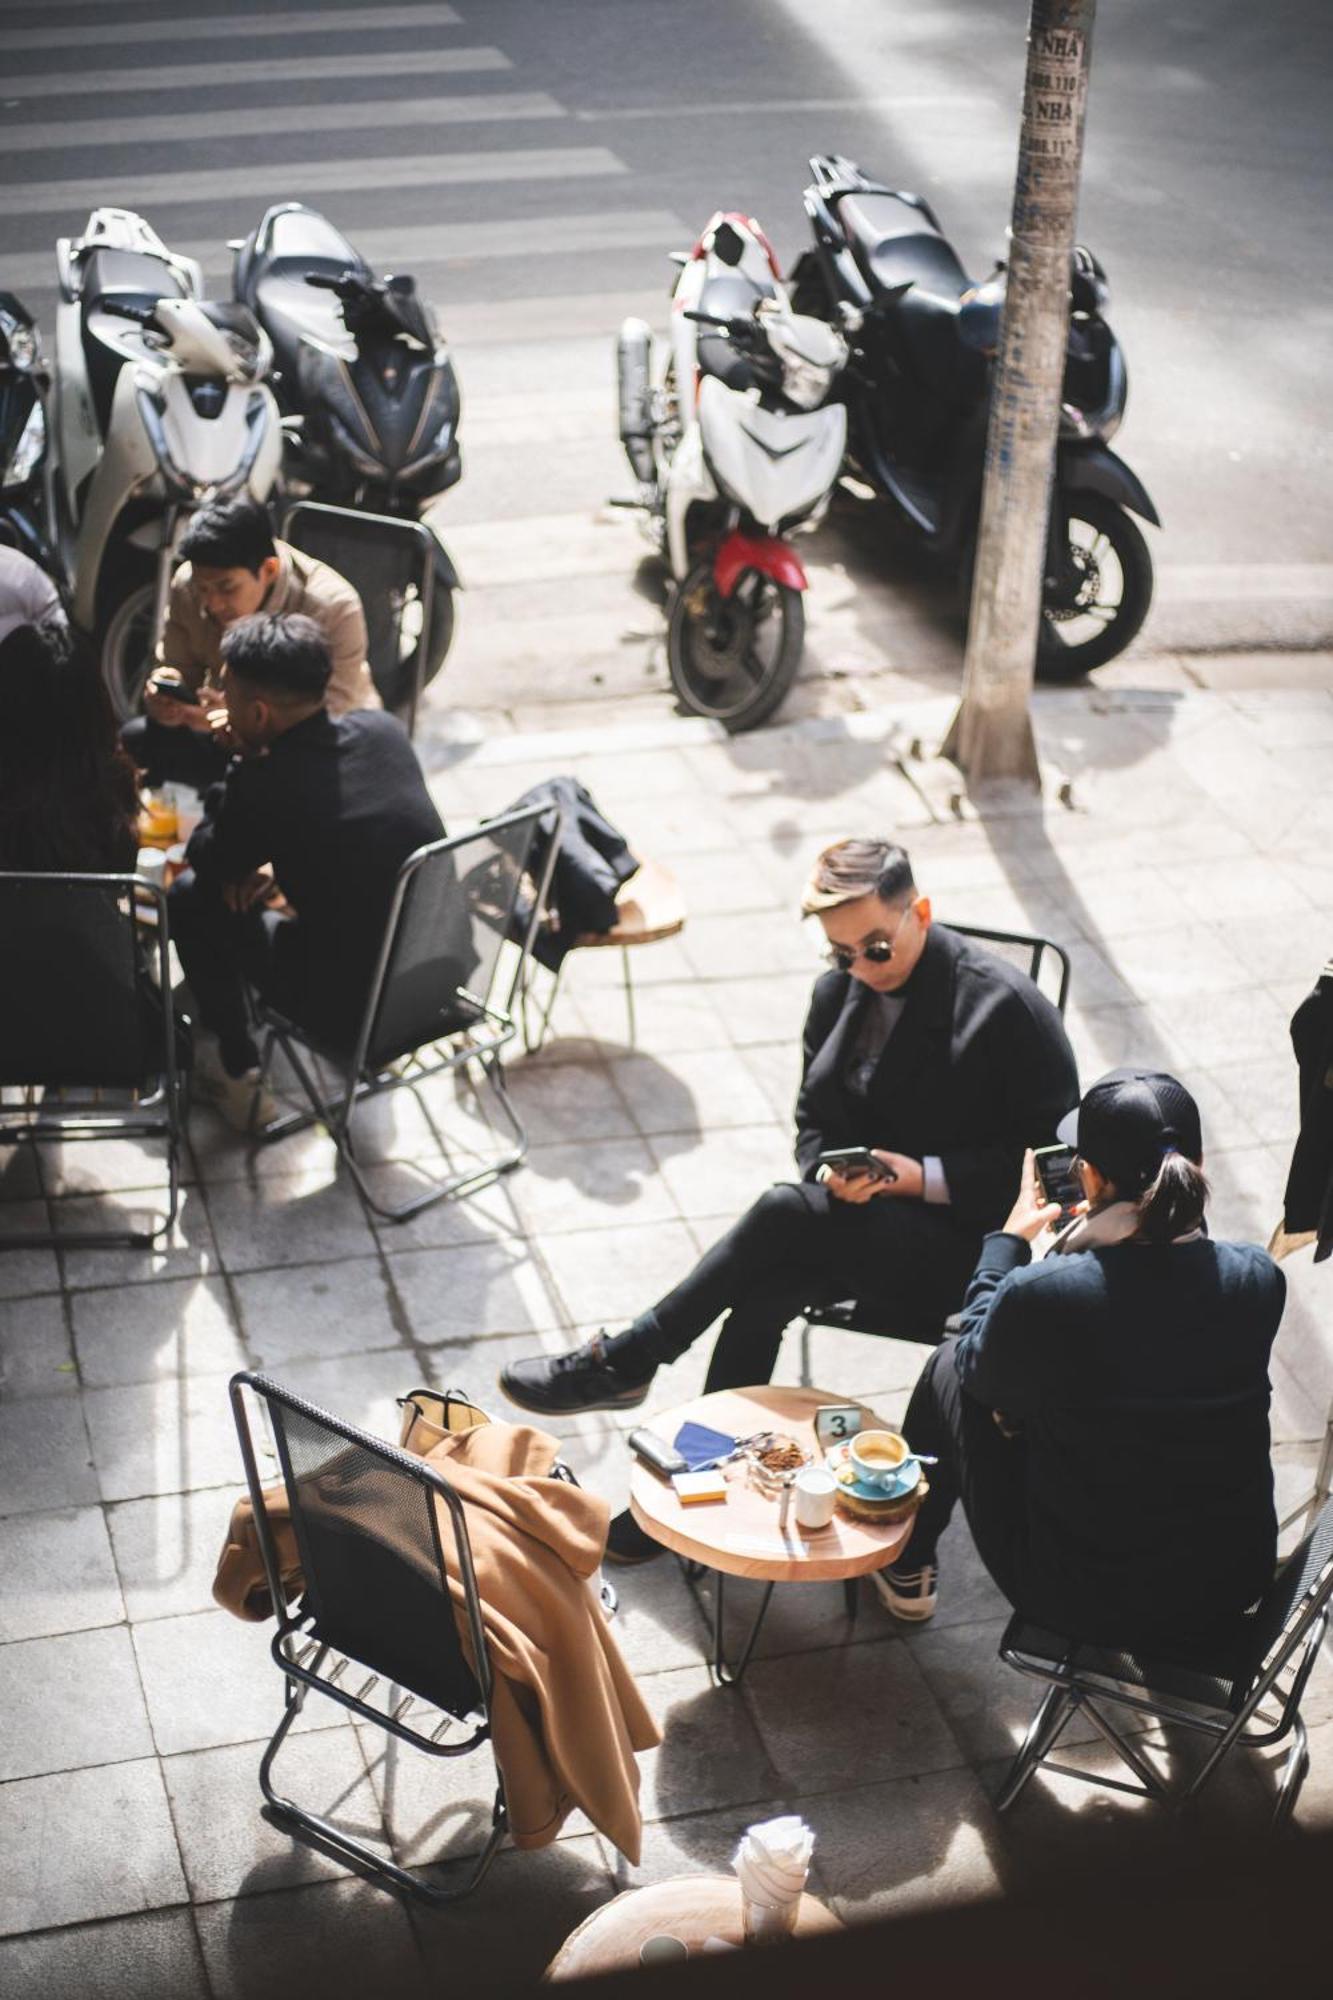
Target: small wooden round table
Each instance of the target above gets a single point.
(741, 1536)
(692, 1908)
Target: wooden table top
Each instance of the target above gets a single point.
(689, 1907)
(741, 1535)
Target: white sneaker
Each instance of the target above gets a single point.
(910, 1594)
(244, 1105)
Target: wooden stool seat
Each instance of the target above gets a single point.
(651, 907)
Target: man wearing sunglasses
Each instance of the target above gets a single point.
(937, 1056)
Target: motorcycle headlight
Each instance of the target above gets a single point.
(22, 348)
(28, 451)
(805, 383)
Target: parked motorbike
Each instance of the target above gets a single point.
(157, 404)
(369, 403)
(24, 381)
(917, 389)
(734, 444)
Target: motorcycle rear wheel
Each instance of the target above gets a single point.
(126, 649)
(393, 632)
(734, 659)
(1101, 601)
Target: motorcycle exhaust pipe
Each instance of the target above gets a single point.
(634, 354)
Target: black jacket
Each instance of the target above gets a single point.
(1139, 1374)
(335, 807)
(592, 863)
(1309, 1197)
(977, 1068)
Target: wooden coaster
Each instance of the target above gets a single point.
(883, 1510)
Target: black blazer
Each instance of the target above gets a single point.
(1309, 1197)
(977, 1068)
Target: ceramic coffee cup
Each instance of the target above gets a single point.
(816, 1498)
(878, 1456)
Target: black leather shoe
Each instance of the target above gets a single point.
(566, 1384)
(626, 1541)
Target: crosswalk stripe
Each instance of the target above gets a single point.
(260, 69)
(390, 114)
(294, 179)
(953, 101)
(417, 248)
(222, 27)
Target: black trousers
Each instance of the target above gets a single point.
(174, 756)
(798, 1246)
(220, 950)
(978, 1465)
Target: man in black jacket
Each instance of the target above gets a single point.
(324, 809)
(937, 1055)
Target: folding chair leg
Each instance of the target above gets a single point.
(627, 978)
(1294, 1770)
(528, 1008)
(1053, 1712)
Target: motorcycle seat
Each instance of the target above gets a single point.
(291, 311)
(130, 277)
(894, 245)
(732, 297)
(291, 241)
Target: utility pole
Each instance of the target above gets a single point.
(991, 737)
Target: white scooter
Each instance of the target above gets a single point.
(733, 446)
(157, 405)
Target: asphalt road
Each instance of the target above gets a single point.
(534, 160)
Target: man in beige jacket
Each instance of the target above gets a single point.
(232, 567)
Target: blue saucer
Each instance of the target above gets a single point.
(906, 1482)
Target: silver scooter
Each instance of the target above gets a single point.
(156, 404)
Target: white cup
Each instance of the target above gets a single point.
(152, 865)
(816, 1498)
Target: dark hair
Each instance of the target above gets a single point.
(228, 534)
(850, 869)
(1172, 1204)
(69, 798)
(282, 652)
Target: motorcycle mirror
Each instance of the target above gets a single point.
(728, 244)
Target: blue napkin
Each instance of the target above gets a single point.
(700, 1447)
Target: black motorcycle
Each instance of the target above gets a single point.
(369, 400)
(923, 339)
(22, 433)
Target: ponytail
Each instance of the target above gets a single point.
(1173, 1203)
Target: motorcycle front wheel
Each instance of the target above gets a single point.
(1098, 601)
(733, 659)
(393, 633)
(127, 650)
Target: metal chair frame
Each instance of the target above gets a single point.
(156, 1114)
(1073, 1690)
(300, 1653)
(851, 1315)
(482, 1040)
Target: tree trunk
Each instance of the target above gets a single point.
(991, 734)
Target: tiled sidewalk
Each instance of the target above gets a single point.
(1192, 884)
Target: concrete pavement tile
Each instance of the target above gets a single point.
(362, 1389)
(1265, 1089)
(1096, 976)
(606, 1276)
(726, 1171)
(338, 1940)
(1197, 966)
(316, 1310)
(849, 1364)
(702, 1843)
(690, 1092)
(167, 1547)
(804, 1618)
(723, 946)
(473, 1289)
(473, 1366)
(565, 1101)
(867, 1709)
(554, 1889)
(591, 1185)
(435, 1809)
(914, 1844)
(724, 879)
(167, 1436)
(210, 1680)
(36, 1358)
(287, 1219)
(765, 1007)
(668, 1016)
(86, 1844)
(1247, 1191)
(154, 1956)
(1244, 1025)
(186, 1250)
(987, 1704)
(24, 1273)
(57, 1575)
(183, 1326)
(107, 1166)
(225, 1839)
(44, 1456)
(484, 1215)
(776, 1068)
(711, 1754)
(70, 1701)
(1107, 1037)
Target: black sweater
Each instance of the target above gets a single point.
(1139, 1375)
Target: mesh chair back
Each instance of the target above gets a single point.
(455, 906)
(385, 562)
(1045, 962)
(1295, 1579)
(72, 1014)
(369, 1535)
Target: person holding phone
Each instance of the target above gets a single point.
(929, 1065)
(1103, 1415)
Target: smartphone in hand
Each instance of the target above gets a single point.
(849, 1161)
(175, 691)
(1059, 1180)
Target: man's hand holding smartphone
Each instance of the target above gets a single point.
(858, 1174)
(169, 701)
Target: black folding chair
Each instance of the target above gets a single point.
(1046, 964)
(1220, 1695)
(392, 564)
(434, 1003)
(88, 1046)
(386, 1575)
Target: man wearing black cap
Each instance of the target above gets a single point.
(1103, 1416)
